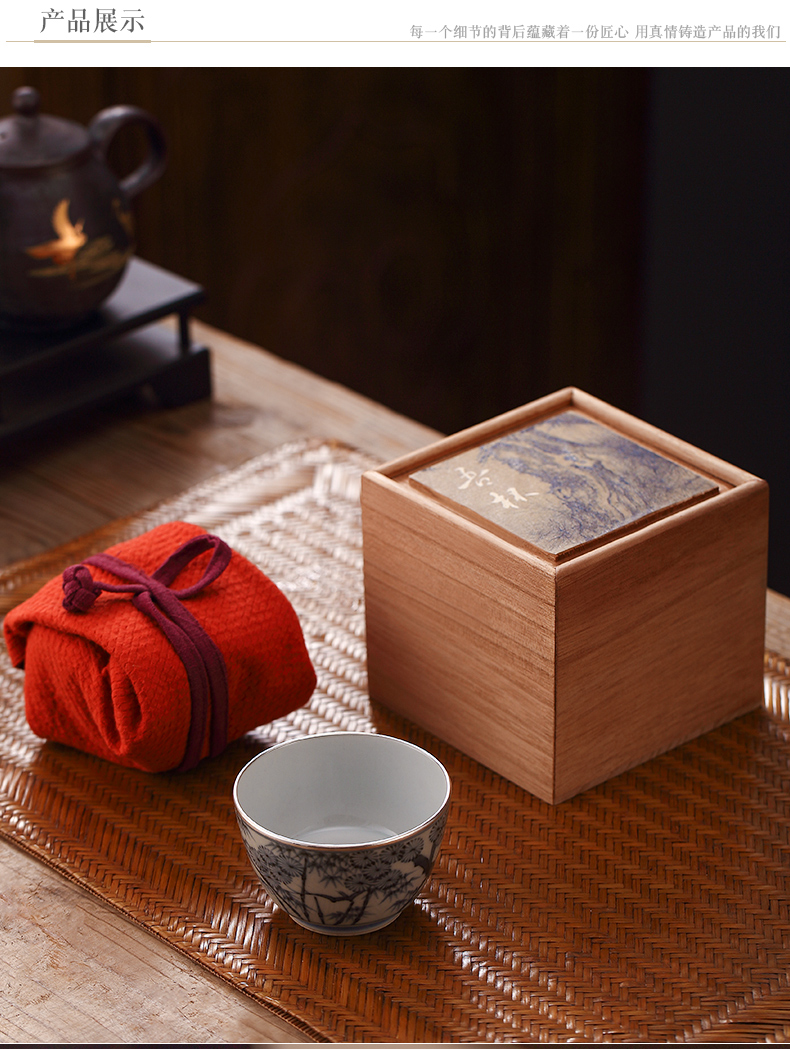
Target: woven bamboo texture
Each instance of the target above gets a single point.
(653, 908)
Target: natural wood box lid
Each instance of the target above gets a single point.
(563, 484)
(627, 474)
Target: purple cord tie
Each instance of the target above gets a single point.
(203, 661)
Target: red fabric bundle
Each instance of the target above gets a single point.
(159, 652)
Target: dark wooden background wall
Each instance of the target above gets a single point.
(451, 242)
(716, 300)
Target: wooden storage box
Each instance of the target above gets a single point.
(562, 657)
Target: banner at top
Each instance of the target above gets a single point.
(424, 33)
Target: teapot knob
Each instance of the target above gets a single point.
(25, 101)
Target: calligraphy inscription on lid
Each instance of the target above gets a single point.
(563, 484)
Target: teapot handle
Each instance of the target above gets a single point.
(104, 126)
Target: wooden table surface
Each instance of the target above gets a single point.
(71, 968)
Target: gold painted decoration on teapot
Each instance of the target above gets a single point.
(73, 255)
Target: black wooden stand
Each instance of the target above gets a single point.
(48, 378)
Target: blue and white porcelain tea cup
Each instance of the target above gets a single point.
(343, 828)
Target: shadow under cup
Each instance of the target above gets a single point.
(343, 828)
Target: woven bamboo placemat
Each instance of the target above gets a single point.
(653, 908)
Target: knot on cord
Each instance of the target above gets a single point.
(79, 589)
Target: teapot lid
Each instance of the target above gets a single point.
(30, 140)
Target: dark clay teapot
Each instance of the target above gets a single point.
(66, 230)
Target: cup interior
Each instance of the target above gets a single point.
(344, 788)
